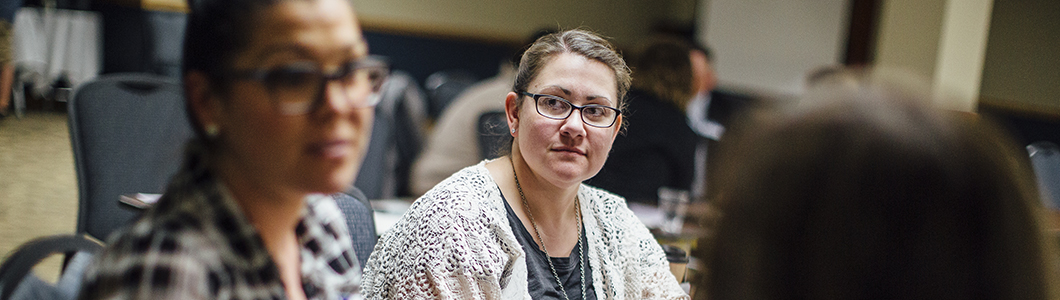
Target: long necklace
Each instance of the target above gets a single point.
(541, 241)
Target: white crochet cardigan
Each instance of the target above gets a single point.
(455, 243)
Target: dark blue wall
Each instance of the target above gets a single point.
(421, 56)
(147, 41)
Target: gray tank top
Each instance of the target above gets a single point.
(541, 283)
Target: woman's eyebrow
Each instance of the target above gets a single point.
(271, 51)
(567, 93)
(304, 52)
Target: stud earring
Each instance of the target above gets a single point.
(513, 130)
(212, 130)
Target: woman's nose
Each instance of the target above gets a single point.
(573, 124)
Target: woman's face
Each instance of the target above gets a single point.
(567, 152)
(321, 150)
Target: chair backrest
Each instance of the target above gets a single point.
(443, 86)
(397, 138)
(165, 32)
(127, 132)
(1045, 159)
(360, 220)
(492, 132)
(17, 282)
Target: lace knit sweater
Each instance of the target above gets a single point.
(455, 243)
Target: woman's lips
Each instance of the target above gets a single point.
(333, 149)
(569, 149)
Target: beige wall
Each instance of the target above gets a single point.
(767, 47)
(625, 21)
(941, 42)
(909, 34)
(1023, 54)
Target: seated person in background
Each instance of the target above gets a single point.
(861, 191)
(454, 143)
(658, 147)
(523, 225)
(8, 9)
(281, 95)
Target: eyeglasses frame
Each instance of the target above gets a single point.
(537, 97)
(372, 61)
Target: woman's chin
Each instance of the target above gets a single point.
(571, 173)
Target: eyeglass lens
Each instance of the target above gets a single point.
(298, 88)
(558, 108)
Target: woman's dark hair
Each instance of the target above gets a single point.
(664, 69)
(217, 30)
(862, 191)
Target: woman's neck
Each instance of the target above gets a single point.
(550, 204)
(269, 209)
(275, 216)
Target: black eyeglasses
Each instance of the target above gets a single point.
(556, 108)
(298, 88)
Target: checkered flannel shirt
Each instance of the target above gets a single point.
(195, 243)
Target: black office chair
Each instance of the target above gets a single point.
(397, 138)
(360, 220)
(128, 133)
(1045, 160)
(492, 133)
(18, 282)
(443, 86)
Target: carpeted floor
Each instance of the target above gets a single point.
(38, 184)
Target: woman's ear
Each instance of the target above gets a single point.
(511, 109)
(201, 100)
(618, 128)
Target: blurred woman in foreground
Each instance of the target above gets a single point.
(862, 191)
(281, 94)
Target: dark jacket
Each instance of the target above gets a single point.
(657, 150)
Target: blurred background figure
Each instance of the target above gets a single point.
(452, 143)
(8, 8)
(709, 112)
(658, 147)
(861, 191)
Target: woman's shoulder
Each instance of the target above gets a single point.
(601, 199)
(167, 248)
(471, 185)
(468, 196)
(611, 211)
(174, 234)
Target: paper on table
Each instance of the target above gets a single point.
(140, 200)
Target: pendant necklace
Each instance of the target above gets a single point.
(541, 241)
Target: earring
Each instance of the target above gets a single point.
(212, 130)
(513, 130)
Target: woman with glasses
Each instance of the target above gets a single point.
(281, 95)
(523, 225)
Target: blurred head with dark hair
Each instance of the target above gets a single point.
(664, 69)
(863, 191)
(281, 91)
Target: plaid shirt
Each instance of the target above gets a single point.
(195, 243)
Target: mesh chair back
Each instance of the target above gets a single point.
(443, 86)
(397, 138)
(492, 133)
(361, 222)
(127, 133)
(1045, 159)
